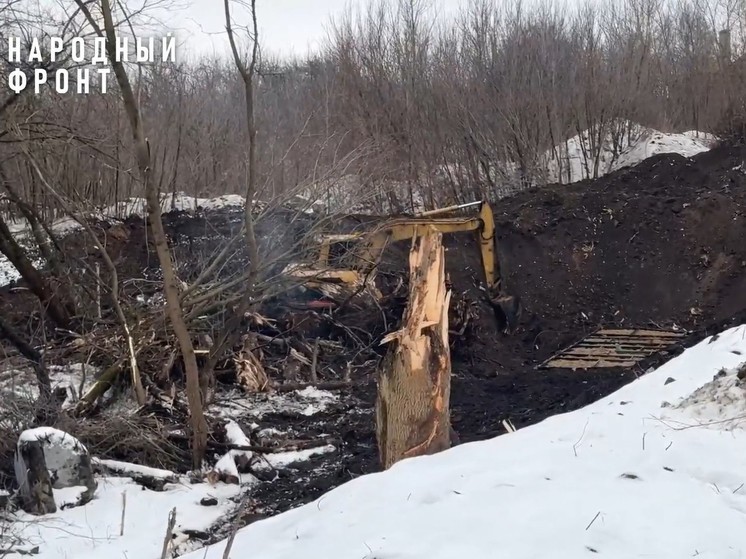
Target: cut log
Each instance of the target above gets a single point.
(414, 384)
(151, 478)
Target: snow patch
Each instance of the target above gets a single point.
(282, 459)
(93, 531)
(126, 468)
(227, 465)
(306, 402)
(68, 496)
(573, 160)
(21, 384)
(54, 436)
(618, 478)
(720, 404)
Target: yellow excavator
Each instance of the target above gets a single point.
(368, 248)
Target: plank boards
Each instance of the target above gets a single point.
(614, 347)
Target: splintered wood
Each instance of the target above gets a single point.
(414, 384)
(250, 373)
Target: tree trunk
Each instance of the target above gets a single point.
(33, 479)
(414, 385)
(54, 308)
(173, 306)
(198, 423)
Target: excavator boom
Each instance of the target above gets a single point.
(371, 245)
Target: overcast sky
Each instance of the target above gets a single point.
(286, 27)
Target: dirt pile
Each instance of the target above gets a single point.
(657, 244)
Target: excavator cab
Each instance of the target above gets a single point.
(361, 253)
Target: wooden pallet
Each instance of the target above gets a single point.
(607, 348)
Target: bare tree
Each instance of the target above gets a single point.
(171, 284)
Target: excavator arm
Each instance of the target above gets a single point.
(371, 245)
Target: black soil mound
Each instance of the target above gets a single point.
(657, 245)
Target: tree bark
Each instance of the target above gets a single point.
(55, 309)
(33, 479)
(8, 332)
(414, 385)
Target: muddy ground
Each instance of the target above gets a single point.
(657, 245)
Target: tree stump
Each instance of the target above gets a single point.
(48, 458)
(414, 384)
(33, 478)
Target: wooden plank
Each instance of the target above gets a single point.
(632, 339)
(624, 358)
(625, 345)
(573, 364)
(640, 332)
(579, 351)
(613, 347)
(592, 356)
(628, 341)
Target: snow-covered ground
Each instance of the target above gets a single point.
(304, 403)
(656, 470)
(94, 531)
(574, 161)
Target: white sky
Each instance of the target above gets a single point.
(286, 27)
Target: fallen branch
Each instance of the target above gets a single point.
(99, 388)
(314, 362)
(295, 445)
(150, 478)
(328, 344)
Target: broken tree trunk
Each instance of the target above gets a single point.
(414, 385)
(33, 478)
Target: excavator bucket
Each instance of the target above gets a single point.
(507, 309)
